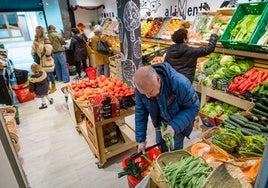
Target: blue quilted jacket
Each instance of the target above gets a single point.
(177, 104)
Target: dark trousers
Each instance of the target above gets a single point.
(78, 66)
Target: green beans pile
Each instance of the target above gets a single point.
(189, 172)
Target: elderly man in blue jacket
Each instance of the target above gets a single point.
(168, 97)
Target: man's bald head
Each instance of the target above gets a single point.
(146, 78)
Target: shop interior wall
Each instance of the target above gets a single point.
(163, 8)
(53, 14)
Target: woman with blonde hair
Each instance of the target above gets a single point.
(47, 62)
(38, 40)
(101, 60)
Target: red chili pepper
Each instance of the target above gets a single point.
(242, 85)
(254, 76)
(259, 77)
(238, 79)
(252, 86)
(246, 86)
(233, 86)
(250, 72)
(264, 76)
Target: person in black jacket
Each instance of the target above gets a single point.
(78, 47)
(183, 58)
(38, 83)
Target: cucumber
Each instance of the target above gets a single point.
(237, 120)
(264, 134)
(229, 126)
(257, 111)
(261, 107)
(240, 117)
(264, 100)
(228, 121)
(257, 124)
(246, 132)
(249, 132)
(253, 127)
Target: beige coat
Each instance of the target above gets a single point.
(100, 59)
(47, 61)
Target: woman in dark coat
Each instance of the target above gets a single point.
(183, 58)
(78, 47)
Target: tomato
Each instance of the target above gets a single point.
(118, 83)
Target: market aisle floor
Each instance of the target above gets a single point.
(53, 154)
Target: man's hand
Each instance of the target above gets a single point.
(141, 147)
(169, 130)
(216, 28)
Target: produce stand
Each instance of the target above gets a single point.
(93, 133)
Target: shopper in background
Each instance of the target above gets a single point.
(183, 58)
(168, 97)
(101, 60)
(38, 41)
(78, 48)
(38, 83)
(47, 63)
(81, 28)
(57, 42)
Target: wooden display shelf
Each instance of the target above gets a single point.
(96, 140)
(207, 92)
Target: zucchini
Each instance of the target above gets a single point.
(261, 107)
(237, 120)
(264, 100)
(257, 111)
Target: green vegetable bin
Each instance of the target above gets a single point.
(260, 30)
(241, 11)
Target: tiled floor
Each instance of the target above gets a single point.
(52, 153)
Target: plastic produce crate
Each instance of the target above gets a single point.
(261, 28)
(242, 10)
(207, 121)
(152, 155)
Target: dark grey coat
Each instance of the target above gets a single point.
(38, 83)
(78, 47)
(183, 58)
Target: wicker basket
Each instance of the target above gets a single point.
(207, 138)
(11, 126)
(9, 111)
(227, 175)
(166, 158)
(15, 140)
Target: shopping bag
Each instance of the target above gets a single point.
(103, 48)
(36, 58)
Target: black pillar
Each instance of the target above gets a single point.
(130, 37)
